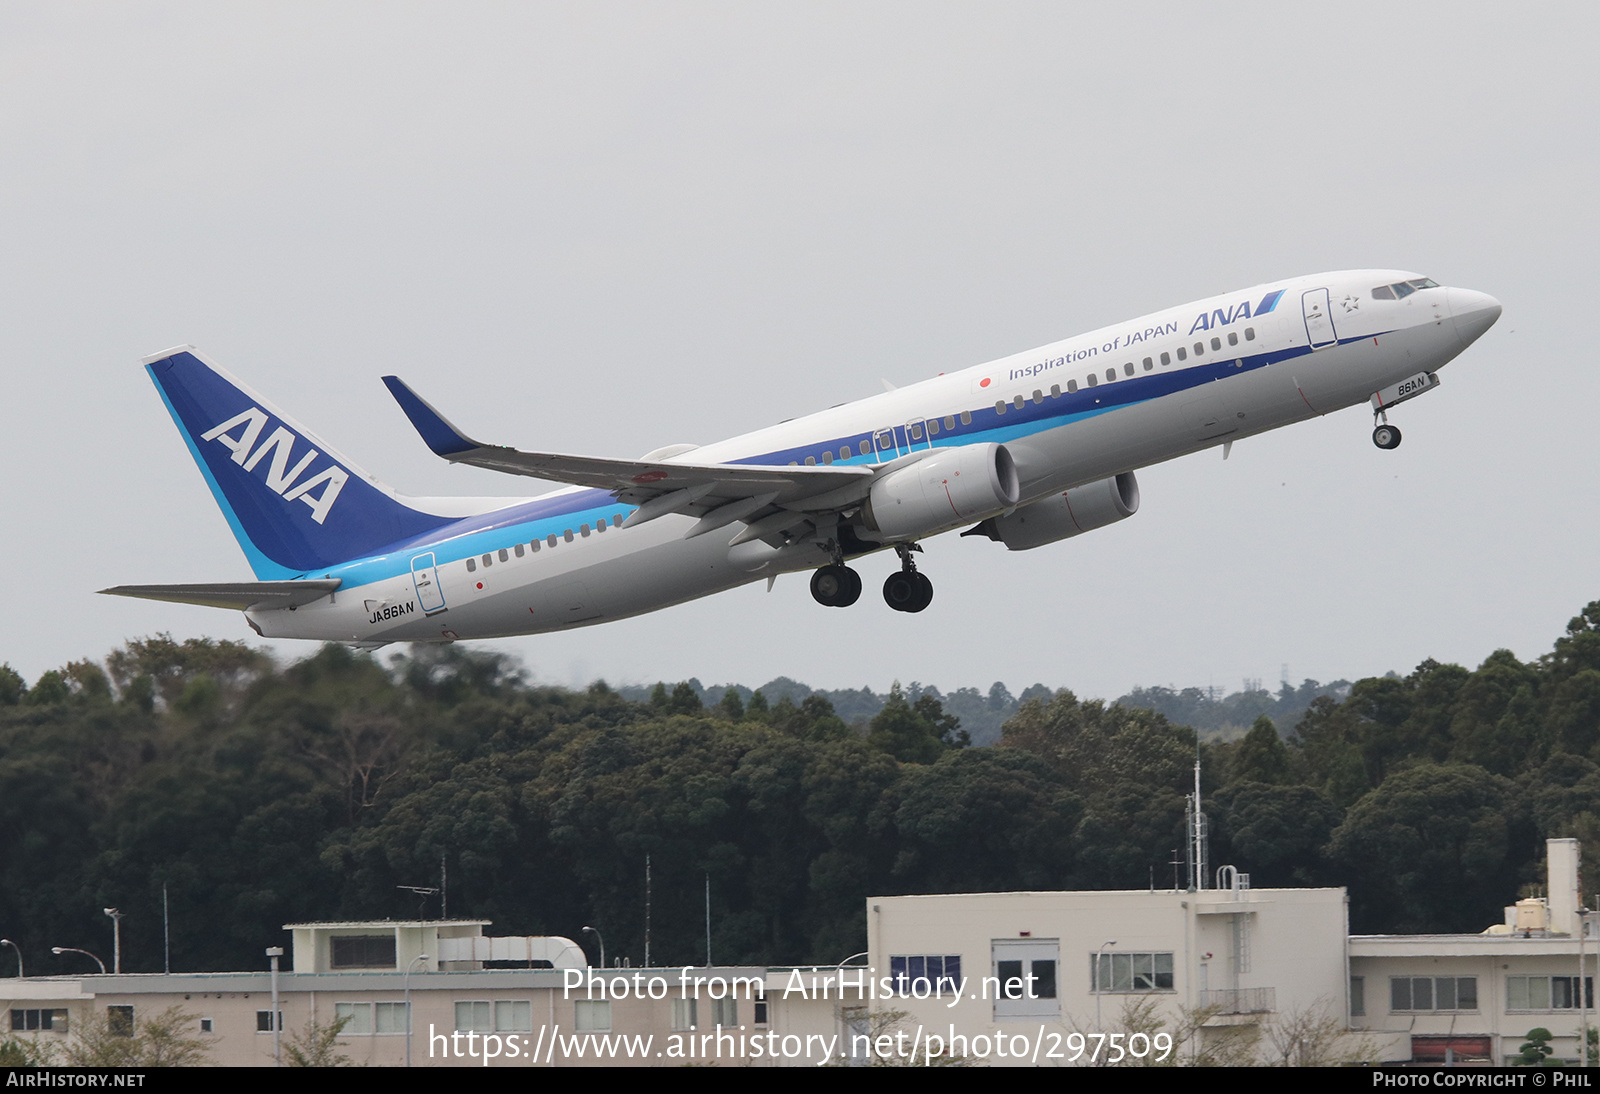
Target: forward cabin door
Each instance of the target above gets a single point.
(1319, 319)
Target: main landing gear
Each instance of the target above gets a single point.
(838, 586)
(908, 590)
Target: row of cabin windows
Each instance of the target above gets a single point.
(535, 545)
(1092, 380)
(886, 439)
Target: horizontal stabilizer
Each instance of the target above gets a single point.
(238, 595)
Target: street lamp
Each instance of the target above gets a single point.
(116, 939)
(59, 950)
(273, 953)
(7, 942)
(414, 960)
(1099, 984)
(596, 932)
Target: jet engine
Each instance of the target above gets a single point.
(1081, 509)
(946, 488)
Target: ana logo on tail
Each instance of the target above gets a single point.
(281, 478)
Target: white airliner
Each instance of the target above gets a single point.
(1026, 450)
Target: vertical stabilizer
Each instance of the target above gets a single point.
(295, 505)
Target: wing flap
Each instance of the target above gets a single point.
(237, 595)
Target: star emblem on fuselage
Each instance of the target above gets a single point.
(1351, 303)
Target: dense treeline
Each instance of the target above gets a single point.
(261, 795)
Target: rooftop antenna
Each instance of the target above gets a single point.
(423, 893)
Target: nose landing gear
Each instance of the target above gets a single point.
(1386, 436)
(908, 590)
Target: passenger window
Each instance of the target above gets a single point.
(1000, 407)
(811, 461)
(1093, 379)
(567, 535)
(916, 431)
(1199, 349)
(488, 560)
(827, 455)
(616, 518)
(949, 421)
(1216, 343)
(1055, 391)
(583, 529)
(1166, 359)
(966, 417)
(1249, 334)
(1072, 385)
(1233, 338)
(551, 539)
(933, 427)
(844, 452)
(1183, 354)
(1149, 364)
(1111, 374)
(534, 546)
(472, 565)
(1019, 400)
(600, 525)
(519, 550)
(1038, 396)
(504, 557)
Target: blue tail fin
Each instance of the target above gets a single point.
(295, 505)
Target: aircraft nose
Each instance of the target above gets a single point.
(1473, 312)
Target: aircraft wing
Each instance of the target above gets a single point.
(718, 493)
(238, 595)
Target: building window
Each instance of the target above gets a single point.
(684, 1013)
(513, 1016)
(207, 1026)
(364, 951)
(389, 1017)
(357, 1017)
(593, 1016)
(1130, 972)
(264, 1021)
(119, 1021)
(1024, 980)
(1541, 993)
(760, 1008)
(923, 975)
(474, 1017)
(1358, 996)
(725, 1013)
(53, 1020)
(1425, 993)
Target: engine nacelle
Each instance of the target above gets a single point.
(1081, 509)
(945, 489)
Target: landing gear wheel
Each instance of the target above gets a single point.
(1386, 436)
(836, 586)
(908, 591)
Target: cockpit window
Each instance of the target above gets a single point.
(1402, 289)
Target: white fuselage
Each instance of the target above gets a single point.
(1070, 413)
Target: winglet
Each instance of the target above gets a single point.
(445, 439)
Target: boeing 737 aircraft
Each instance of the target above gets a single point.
(1026, 450)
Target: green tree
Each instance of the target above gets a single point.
(165, 1040)
(317, 1045)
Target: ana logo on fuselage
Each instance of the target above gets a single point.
(281, 478)
(1221, 317)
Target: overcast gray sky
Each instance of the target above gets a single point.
(601, 228)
